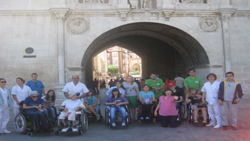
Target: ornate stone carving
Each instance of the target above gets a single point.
(209, 24)
(78, 25)
(225, 17)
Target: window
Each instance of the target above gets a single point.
(108, 62)
(108, 55)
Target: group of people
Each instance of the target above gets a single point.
(218, 98)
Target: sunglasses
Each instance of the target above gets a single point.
(35, 96)
(3, 82)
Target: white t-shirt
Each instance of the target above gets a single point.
(4, 97)
(79, 88)
(20, 93)
(211, 92)
(72, 105)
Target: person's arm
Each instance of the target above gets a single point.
(29, 107)
(66, 94)
(140, 98)
(157, 108)
(187, 89)
(107, 101)
(137, 91)
(199, 91)
(187, 100)
(175, 99)
(204, 97)
(52, 103)
(153, 98)
(83, 95)
(108, 92)
(43, 91)
(17, 102)
(94, 104)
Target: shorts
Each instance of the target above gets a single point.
(132, 101)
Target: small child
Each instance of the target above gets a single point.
(48, 103)
(70, 106)
(196, 104)
(90, 102)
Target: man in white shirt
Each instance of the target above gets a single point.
(76, 87)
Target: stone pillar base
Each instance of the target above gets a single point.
(59, 94)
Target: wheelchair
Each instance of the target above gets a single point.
(152, 109)
(92, 117)
(107, 118)
(24, 124)
(81, 122)
(190, 116)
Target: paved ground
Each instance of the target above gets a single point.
(148, 131)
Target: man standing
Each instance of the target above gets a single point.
(193, 82)
(179, 82)
(36, 85)
(75, 86)
(156, 84)
(230, 94)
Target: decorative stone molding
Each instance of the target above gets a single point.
(123, 8)
(209, 24)
(60, 13)
(145, 15)
(193, 1)
(78, 25)
(225, 17)
(167, 9)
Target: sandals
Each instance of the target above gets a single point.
(204, 123)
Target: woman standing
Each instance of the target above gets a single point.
(19, 93)
(131, 94)
(5, 101)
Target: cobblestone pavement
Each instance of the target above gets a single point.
(147, 131)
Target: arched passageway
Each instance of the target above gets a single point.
(163, 49)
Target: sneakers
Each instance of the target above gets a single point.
(141, 118)
(147, 118)
(113, 125)
(211, 124)
(217, 126)
(98, 117)
(65, 128)
(6, 131)
(74, 129)
(123, 124)
(234, 128)
(224, 127)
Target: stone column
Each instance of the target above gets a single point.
(59, 14)
(225, 14)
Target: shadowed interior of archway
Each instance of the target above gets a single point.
(164, 49)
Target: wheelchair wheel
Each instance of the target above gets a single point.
(20, 124)
(84, 122)
(106, 118)
(128, 116)
(58, 133)
(183, 110)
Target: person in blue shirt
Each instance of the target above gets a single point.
(36, 85)
(118, 85)
(90, 102)
(32, 106)
(116, 103)
(146, 98)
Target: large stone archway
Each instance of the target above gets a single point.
(164, 49)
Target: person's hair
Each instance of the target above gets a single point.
(75, 75)
(116, 90)
(118, 82)
(142, 79)
(167, 89)
(152, 73)
(90, 90)
(146, 86)
(214, 75)
(2, 79)
(34, 74)
(191, 70)
(229, 73)
(190, 89)
(21, 79)
(131, 77)
(53, 98)
(178, 74)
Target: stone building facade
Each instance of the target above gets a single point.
(170, 36)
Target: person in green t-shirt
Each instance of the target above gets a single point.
(156, 84)
(193, 82)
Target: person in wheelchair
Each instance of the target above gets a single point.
(176, 92)
(70, 107)
(196, 104)
(90, 102)
(48, 103)
(32, 106)
(116, 103)
(118, 85)
(147, 100)
(168, 113)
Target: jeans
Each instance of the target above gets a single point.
(36, 115)
(114, 109)
(177, 105)
(51, 111)
(172, 120)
